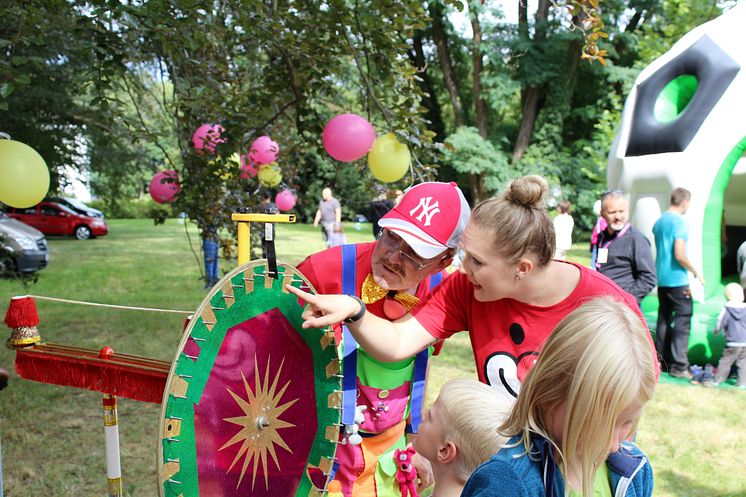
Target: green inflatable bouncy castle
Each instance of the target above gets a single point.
(683, 125)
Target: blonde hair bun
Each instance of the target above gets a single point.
(528, 191)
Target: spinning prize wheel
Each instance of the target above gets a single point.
(252, 405)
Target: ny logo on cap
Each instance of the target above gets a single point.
(427, 209)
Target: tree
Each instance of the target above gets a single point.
(42, 73)
(256, 68)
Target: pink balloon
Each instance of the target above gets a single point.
(348, 137)
(249, 168)
(206, 137)
(264, 150)
(164, 186)
(285, 200)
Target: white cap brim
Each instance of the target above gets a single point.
(423, 244)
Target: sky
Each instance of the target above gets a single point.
(460, 20)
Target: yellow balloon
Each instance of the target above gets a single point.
(24, 177)
(388, 159)
(270, 175)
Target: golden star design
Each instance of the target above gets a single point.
(260, 424)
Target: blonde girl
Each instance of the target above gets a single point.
(576, 408)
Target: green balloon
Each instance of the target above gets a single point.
(24, 177)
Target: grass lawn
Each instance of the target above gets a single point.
(52, 437)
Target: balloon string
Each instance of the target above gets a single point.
(111, 306)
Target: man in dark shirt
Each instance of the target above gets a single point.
(378, 208)
(621, 252)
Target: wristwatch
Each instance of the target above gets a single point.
(360, 314)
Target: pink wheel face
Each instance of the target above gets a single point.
(250, 406)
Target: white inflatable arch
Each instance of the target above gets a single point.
(684, 125)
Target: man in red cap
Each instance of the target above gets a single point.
(418, 240)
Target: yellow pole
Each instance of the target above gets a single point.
(244, 238)
(244, 243)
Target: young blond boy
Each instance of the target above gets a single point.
(732, 321)
(459, 432)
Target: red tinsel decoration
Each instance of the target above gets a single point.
(132, 377)
(21, 313)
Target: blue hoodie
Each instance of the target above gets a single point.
(512, 473)
(733, 321)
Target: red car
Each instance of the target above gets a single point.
(52, 218)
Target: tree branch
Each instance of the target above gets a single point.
(387, 114)
(152, 136)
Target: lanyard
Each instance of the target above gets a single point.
(594, 252)
(617, 237)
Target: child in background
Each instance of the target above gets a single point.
(459, 432)
(576, 407)
(732, 321)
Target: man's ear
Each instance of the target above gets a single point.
(447, 453)
(445, 262)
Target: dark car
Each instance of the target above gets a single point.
(52, 218)
(22, 248)
(76, 205)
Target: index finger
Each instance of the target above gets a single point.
(306, 296)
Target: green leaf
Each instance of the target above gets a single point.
(6, 89)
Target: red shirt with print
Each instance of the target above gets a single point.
(506, 334)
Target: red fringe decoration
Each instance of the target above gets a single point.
(21, 312)
(131, 377)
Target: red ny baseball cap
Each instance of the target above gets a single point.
(430, 217)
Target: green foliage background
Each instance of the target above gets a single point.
(114, 90)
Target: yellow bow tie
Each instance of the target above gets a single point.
(372, 292)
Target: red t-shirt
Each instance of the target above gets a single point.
(506, 334)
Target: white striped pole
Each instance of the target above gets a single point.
(111, 437)
(111, 433)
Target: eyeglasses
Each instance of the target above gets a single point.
(393, 243)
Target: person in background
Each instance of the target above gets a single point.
(390, 276)
(732, 321)
(600, 222)
(563, 225)
(378, 207)
(577, 407)
(329, 214)
(621, 252)
(398, 194)
(741, 263)
(459, 432)
(674, 295)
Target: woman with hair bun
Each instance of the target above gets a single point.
(509, 293)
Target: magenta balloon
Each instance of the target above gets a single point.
(206, 137)
(164, 186)
(264, 150)
(285, 200)
(348, 137)
(249, 168)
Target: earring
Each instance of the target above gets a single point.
(517, 277)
